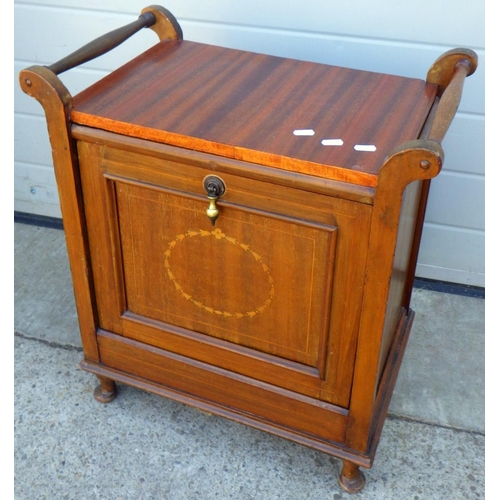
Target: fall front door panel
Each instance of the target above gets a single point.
(252, 294)
(232, 281)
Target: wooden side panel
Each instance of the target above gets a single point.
(401, 269)
(416, 161)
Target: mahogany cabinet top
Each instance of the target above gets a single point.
(261, 109)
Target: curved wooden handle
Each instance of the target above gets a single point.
(449, 73)
(155, 17)
(103, 44)
(449, 102)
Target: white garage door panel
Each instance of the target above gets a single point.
(386, 20)
(454, 193)
(397, 38)
(31, 130)
(464, 144)
(35, 190)
(132, 7)
(452, 254)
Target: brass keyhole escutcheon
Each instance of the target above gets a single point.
(214, 187)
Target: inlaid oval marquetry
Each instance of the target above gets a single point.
(180, 239)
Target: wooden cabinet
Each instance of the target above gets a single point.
(243, 229)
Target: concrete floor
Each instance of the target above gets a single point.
(145, 447)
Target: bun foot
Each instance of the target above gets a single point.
(351, 478)
(105, 392)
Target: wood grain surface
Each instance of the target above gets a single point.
(247, 106)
